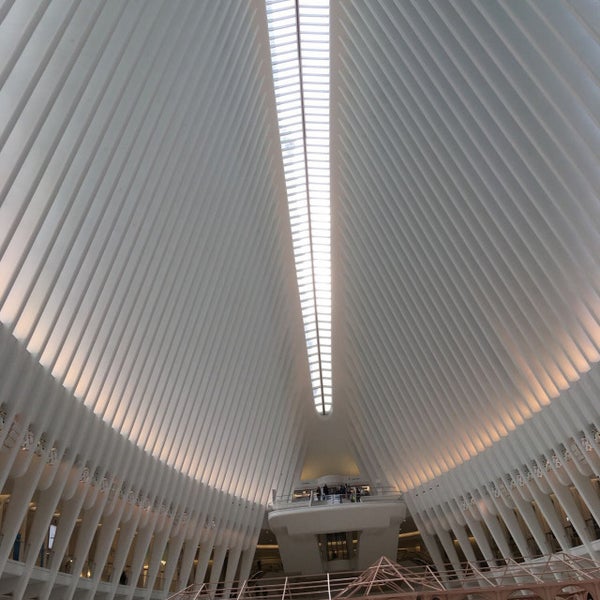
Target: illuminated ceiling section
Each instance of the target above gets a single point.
(299, 38)
(135, 171)
(465, 159)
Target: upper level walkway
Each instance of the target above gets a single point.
(340, 495)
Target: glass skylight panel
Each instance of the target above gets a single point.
(299, 39)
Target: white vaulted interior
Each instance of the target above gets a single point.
(156, 390)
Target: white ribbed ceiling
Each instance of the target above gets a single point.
(466, 213)
(146, 253)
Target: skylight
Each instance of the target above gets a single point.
(299, 38)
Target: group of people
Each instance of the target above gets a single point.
(341, 493)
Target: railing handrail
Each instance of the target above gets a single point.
(313, 499)
(545, 570)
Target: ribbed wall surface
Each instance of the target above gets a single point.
(144, 236)
(146, 267)
(154, 385)
(466, 210)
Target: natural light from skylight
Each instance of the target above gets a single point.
(299, 38)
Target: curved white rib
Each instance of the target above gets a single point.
(152, 344)
(466, 152)
(152, 362)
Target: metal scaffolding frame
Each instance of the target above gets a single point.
(560, 576)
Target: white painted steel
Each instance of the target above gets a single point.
(154, 386)
(466, 203)
(151, 333)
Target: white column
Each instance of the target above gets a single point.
(232, 565)
(23, 489)
(204, 556)
(246, 563)
(158, 548)
(217, 566)
(66, 524)
(465, 543)
(189, 553)
(175, 545)
(142, 541)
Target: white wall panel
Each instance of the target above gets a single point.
(148, 302)
(466, 155)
